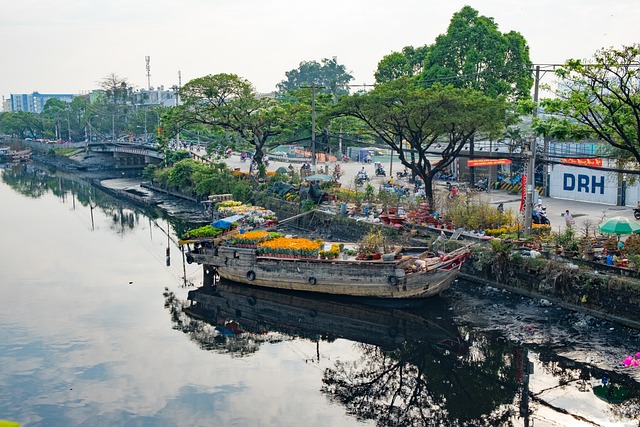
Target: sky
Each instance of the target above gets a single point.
(69, 46)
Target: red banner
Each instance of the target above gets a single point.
(523, 180)
(488, 162)
(597, 162)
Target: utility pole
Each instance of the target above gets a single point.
(530, 183)
(531, 166)
(313, 122)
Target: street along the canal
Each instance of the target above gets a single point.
(94, 331)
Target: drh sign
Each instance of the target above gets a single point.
(588, 185)
(583, 183)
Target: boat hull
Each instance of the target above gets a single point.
(372, 279)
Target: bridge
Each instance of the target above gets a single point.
(128, 155)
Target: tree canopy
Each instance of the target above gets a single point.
(600, 99)
(434, 122)
(473, 53)
(227, 101)
(407, 63)
(329, 76)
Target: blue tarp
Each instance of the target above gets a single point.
(226, 222)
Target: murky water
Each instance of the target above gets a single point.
(95, 329)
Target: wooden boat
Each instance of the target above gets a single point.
(409, 275)
(9, 155)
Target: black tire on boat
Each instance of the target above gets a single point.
(393, 280)
(312, 280)
(189, 258)
(251, 275)
(251, 300)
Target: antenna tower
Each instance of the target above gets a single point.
(147, 59)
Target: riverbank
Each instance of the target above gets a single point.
(561, 281)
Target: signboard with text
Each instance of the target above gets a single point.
(578, 183)
(488, 162)
(596, 162)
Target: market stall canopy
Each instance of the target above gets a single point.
(227, 222)
(318, 177)
(619, 225)
(282, 169)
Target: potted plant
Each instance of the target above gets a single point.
(372, 243)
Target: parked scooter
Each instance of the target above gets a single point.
(636, 213)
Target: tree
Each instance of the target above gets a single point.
(474, 54)
(599, 99)
(408, 63)
(226, 101)
(435, 122)
(22, 124)
(113, 104)
(330, 76)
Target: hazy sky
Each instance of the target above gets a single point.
(67, 46)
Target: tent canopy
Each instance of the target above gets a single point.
(619, 225)
(227, 222)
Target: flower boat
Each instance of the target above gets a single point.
(278, 262)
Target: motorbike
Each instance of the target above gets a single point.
(380, 169)
(403, 174)
(361, 179)
(243, 157)
(480, 185)
(541, 218)
(636, 213)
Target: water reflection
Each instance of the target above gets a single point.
(414, 367)
(35, 181)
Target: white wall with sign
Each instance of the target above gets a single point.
(582, 184)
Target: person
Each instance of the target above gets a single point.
(362, 175)
(568, 218)
(537, 211)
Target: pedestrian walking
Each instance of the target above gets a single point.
(568, 218)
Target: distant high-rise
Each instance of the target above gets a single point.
(34, 103)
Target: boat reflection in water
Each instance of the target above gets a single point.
(236, 307)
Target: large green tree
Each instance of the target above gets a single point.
(475, 54)
(436, 122)
(22, 124)
(226, 101)
(329, 76)
(600, 99)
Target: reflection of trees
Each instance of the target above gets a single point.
(33, 182)
(424, 384)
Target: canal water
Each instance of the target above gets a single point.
(100, 327)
